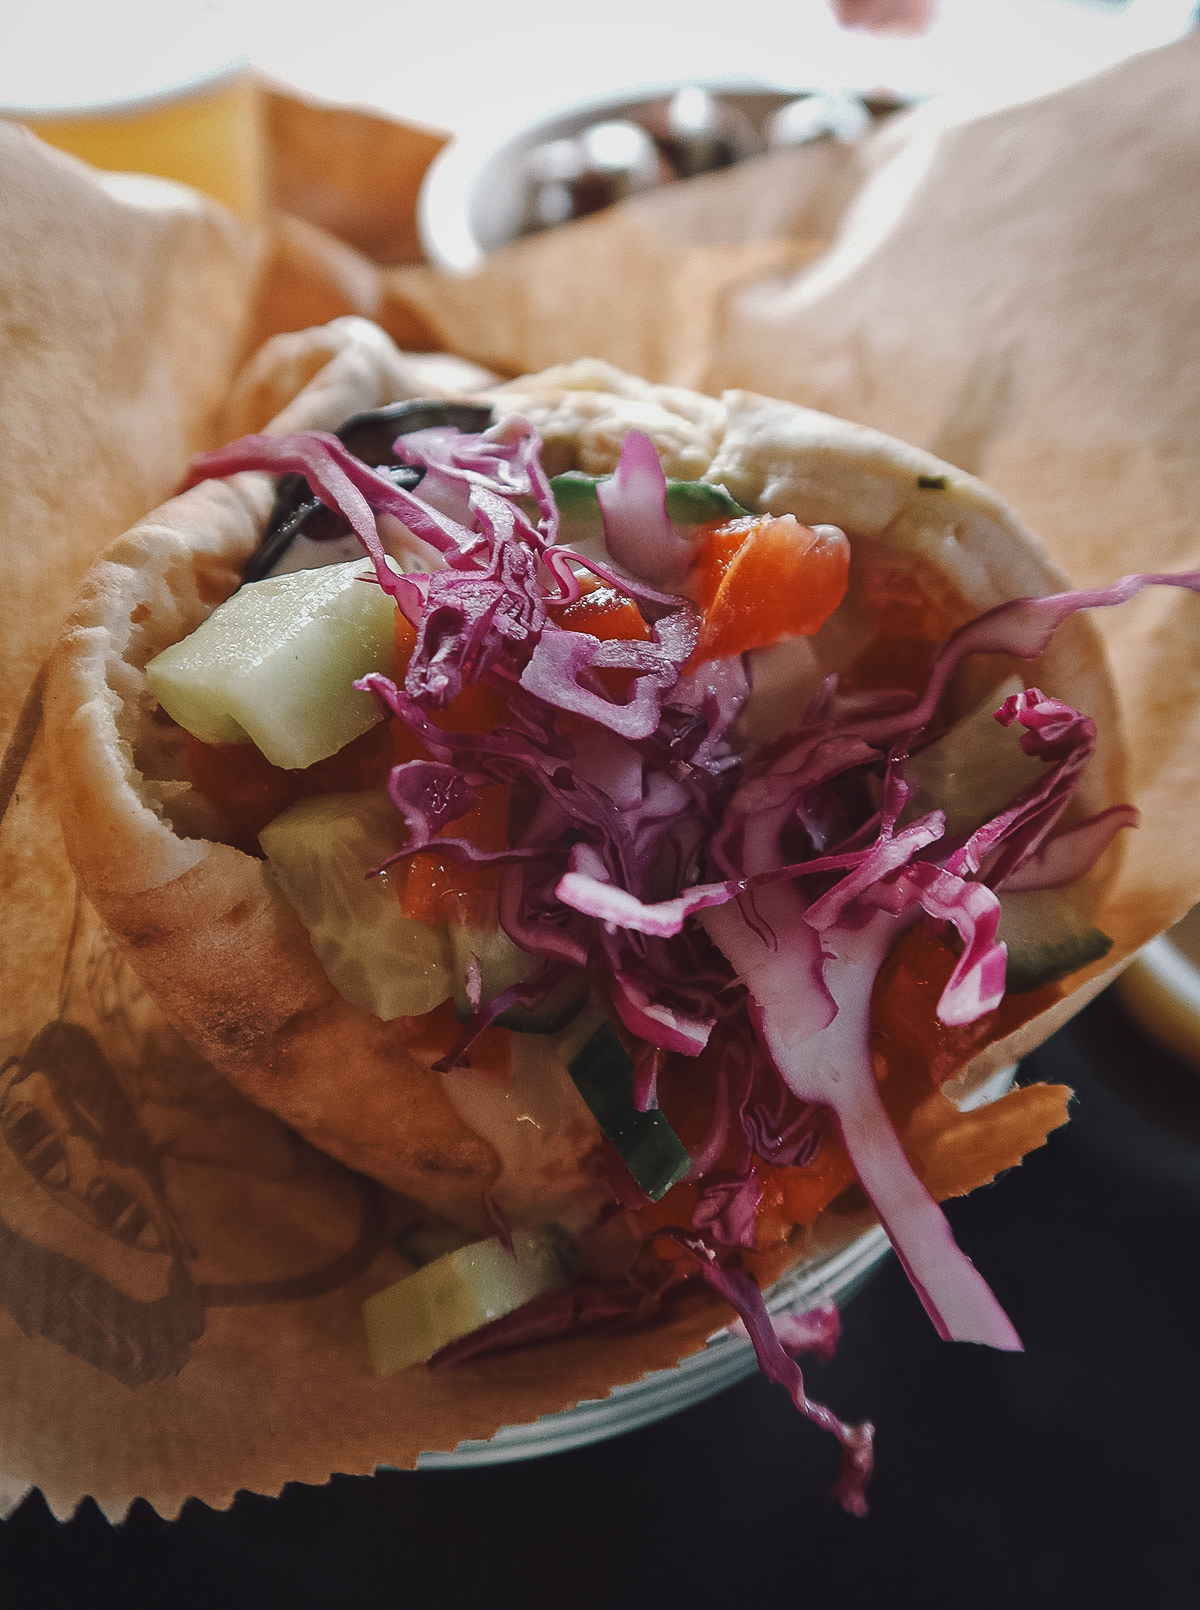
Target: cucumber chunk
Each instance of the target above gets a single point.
(694, 503)
(1048, 938)
(320, 851)
(410, 1321)
(645, 1142)
(275, 664)
(552, 1012)
(976, 769)
(501, 964)
(689, 503)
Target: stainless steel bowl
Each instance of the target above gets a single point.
(1161, 987)
(483, 194)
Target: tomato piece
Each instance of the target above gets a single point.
(914, 1052)
(250, 792)
(764, 579)
(687, 1093)
(603, 611)
(434, 888)
(437, 889)
(406, 639)
(478, 707)
(606, 613)
(791, 1197)
(911, 608)
(796, 1196)
(671, 1212)
(430, 1037)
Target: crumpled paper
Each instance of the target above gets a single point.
(1013, 289)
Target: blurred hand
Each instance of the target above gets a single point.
(880, 16)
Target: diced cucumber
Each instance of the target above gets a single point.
(277, 661)
(1048, 938)
(553, 1011)
(689, 503)
(976, 769)
(694, 503)
(501, 964)
(320, 851)
(575, 496)
(647, 1145)
(410, 1321)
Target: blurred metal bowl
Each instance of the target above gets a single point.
(1161, 987)
(480, 194)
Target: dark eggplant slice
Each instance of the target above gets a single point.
(371, 437)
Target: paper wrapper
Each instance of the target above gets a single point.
(180, 1277)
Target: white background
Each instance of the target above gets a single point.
(467, 66)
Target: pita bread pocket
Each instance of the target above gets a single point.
(406, 1100)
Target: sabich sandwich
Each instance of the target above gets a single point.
(610, 818)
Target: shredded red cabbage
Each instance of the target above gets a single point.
(777, 1364)
(700, 882)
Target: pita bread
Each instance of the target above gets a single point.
(218, 947)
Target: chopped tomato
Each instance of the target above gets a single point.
(602, 611)
(911, 608)
(477, 708)
(250, 792)
(405, 634)
(764, 579)
(687, 1093)
(791, 1197)
(431, 1037)
(671, 1212)
(914, 1052)
(796, 1196)
(435, 888)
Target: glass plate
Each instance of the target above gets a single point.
(727, 1358)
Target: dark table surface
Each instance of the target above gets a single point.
(1064, 1476)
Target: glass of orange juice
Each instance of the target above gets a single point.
(142, 86)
